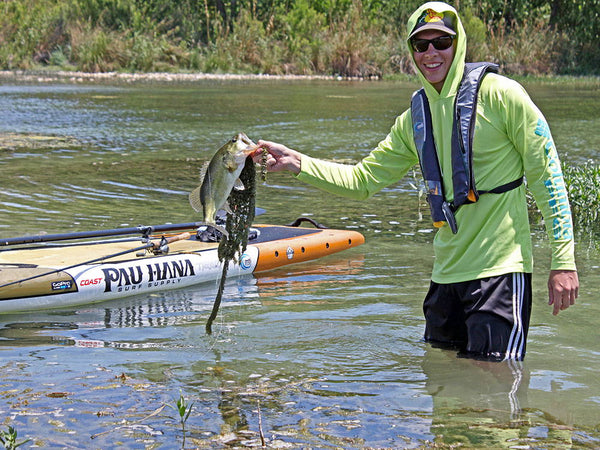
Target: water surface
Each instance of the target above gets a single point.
(323, 355)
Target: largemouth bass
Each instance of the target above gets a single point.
(219, 176)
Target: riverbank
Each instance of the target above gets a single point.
(66, 76)
(125, 77)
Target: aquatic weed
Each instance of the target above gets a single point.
(184, 409)
(9, 439)
(582, 183)
(583, 186)
(231, 247)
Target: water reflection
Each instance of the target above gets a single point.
(163, 309)
(180, 307)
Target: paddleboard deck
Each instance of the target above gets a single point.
(60, 275)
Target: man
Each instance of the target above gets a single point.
(480, 296)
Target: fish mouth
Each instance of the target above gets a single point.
(250, 145)
(250, 149)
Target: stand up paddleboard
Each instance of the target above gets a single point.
(41, 272)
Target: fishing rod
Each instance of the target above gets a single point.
(63, 244)
(157, 247)
(143, 230)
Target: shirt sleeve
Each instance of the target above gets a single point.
(386, 164)
(530, 133)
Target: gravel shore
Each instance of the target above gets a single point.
(81, 77)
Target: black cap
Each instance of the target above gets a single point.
(433, 20)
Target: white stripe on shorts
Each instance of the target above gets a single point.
(514, 349)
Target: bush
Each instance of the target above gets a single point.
(477, 37)
(345, 37)
(97, 50)
(303, 32)
(519, 54)
(358, 46)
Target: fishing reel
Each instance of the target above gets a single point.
(207, 233)
(161, 248)
(156, 248)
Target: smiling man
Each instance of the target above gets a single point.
(477, 137)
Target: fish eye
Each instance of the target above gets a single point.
(234, 139)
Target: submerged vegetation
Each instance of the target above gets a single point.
(334, 37)
(583, 185)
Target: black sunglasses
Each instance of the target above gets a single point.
(439, 43)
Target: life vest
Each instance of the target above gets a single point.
(463, 127)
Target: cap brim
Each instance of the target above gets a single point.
(440, 26)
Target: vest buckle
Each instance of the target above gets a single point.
(449, 215)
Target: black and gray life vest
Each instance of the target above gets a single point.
(463, 127)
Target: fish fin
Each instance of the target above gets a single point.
(203, 171)
(227, 208)
(195, 199)
(238, 185)
(230, 163)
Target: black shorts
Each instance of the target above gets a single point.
(486, 318)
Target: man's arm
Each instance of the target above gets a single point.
(530, 133)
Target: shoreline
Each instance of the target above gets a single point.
(66, 76)
(41, 76)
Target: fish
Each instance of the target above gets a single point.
(219, 177)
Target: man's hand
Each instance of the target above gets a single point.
(279, 158)
(563, 289)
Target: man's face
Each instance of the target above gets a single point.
(434, 64)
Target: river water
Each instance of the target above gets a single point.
(321, 355)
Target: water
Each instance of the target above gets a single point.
(321, 355)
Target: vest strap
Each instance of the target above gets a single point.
(498, 190)
(505, 187)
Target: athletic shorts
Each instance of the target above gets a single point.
(485, 319)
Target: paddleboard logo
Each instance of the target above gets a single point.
(147, 275)
(290, 253)
(245, 261)
(61, 285)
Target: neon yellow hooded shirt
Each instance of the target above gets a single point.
(511, 139)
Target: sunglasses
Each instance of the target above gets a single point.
(439, 43)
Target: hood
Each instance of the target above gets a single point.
(456, 70)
